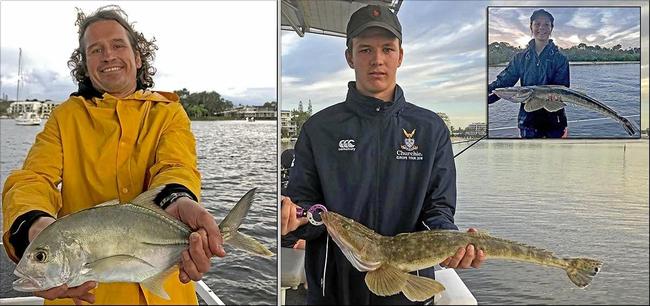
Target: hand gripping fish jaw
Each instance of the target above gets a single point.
(312, 214)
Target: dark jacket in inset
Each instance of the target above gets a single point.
(549, 68)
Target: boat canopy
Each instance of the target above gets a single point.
(325, 17)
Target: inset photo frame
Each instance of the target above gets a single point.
(564, 72)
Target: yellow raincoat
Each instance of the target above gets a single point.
(102, 149)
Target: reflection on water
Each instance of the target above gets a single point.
(233, 157)
(576, 198)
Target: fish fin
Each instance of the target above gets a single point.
(581, 271)
(146, 199)
(481, 233)
(554, 106)
(155, 283)
(246, 243)
(533, 104)
(236, 215)
(628, 126)
(386, 280)
(420, 288)
(106, 267)
(109, 203)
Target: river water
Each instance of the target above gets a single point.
(577, 198)
(233, 157)
(616, 85)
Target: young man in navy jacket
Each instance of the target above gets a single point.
(375, 158)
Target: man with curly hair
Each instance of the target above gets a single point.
(113, 138)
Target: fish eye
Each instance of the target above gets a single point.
(40, 256)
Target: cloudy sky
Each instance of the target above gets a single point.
(203, 45)
(603, 26)
(444, 64)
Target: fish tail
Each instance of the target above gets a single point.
(233, 220)
(581, 271)
(628, 126)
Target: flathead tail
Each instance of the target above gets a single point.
(581, 271)
(628, 126)
(233, 220)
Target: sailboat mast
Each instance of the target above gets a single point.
(20, 72)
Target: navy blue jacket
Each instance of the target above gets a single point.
(354, 157)
(549, 68)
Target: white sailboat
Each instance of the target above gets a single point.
(29, 118)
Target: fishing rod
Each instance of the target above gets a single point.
(461, 152)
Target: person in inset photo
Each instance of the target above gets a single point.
(375, 158)
(541, 63)
(598, 98)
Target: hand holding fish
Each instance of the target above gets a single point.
(465, 257)
(73, 250)
(79, 293)
(205, 242)
(288, 214)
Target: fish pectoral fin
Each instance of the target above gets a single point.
(534, 104)
(106, 266)
(155, 283)
(418, 288)
(246, 243)
(386, 280)
(554, 106)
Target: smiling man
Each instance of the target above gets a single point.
(540, 64)
(375, 158)
(112, 139)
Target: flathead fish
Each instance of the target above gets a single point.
(113, 242)
(555, 97)
(387, 260)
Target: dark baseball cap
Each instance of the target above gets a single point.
(373, 16)
(539, 13)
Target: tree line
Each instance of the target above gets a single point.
(207, 105)
(503, 52)
(298, 118)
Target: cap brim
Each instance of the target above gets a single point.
(371, 24)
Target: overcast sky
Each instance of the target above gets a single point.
(603, 26)
(225, 46)
(444, 65)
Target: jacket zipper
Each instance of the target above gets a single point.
(378, 171)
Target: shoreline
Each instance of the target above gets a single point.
(227, 119)
(583, 63)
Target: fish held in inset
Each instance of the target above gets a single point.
(112, 242)
(387, 260)
(555, 97)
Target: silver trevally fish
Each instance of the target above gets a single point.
(389, 259)
(554, 97)
(112, 242)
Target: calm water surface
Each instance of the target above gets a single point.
(615, 85)
(575, 198)
(233, 157)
